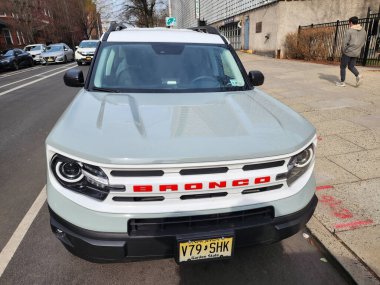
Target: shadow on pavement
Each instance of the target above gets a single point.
(329, 77)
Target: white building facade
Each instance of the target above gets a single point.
(262, 25)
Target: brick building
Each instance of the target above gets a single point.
(47, 21)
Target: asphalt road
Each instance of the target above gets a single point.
(31, 101)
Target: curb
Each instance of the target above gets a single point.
(351, 263)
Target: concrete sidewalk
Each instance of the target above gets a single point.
(347, 219)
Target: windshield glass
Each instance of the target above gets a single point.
(33, 48)
(54, 48)
(88, 44)
(9, 53)
(168, 67)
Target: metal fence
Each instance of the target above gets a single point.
(370, 54)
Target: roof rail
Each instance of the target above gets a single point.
(209, 30)
(114, 26)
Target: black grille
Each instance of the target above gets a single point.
(199, 171)
(182, 225)
(263, 165)
(136, 173)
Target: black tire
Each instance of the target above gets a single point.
(31, 63)
(79, 63)
(15, 66)
(65, 61)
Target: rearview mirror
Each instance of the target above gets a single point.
(74, 78)
(256, 77)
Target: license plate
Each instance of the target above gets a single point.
(50, 59)
(205, 249)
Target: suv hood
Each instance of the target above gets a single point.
(91, 50)
(52, 53)
(178, 128)
(34, 52)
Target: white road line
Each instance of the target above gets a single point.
(34, 81)
(9, 250)
(14, 82)
(19, 71)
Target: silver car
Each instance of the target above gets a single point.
(57, 53)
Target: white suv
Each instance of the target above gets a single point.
(170, 151)
(85, 51)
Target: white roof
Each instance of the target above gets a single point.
(163, 35)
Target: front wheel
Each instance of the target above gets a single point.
(65, 61)
(79, 63)
(15, 66)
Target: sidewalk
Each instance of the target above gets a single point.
(347, 219)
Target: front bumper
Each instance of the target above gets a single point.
(83, 58)
(113, 247)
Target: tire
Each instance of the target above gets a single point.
(15, 66)
(65, 61)
(79, 63)
(31, 63)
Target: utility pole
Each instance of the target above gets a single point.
(170, 8)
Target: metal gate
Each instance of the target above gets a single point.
(232, 32)
(370, 54)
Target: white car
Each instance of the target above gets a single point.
(57, 53)
(84, 53)
(170, 150)
(35, 51)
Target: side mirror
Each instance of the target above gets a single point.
(65, 49)
(76, 47)
(74, 78)
(256, 77)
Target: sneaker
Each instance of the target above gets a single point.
(359, 80)
(340, 84)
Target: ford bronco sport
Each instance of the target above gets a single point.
(169, 150)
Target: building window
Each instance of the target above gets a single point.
(8, 37)
(259, 27)
(3, 14)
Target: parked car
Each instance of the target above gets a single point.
(14, 59)
(57, 53)
(85, 51)
(171, 150)
(35, 51)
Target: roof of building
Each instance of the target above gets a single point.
(163, 35)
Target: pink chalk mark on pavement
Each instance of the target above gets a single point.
(325, 187)
(353, 225)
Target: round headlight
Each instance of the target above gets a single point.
(304, 158)
(69, 171)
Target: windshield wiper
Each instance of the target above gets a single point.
(109, 90)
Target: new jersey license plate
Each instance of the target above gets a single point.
(205, 249)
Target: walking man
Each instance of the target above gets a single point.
(353, 41)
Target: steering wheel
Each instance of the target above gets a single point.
(205, 78)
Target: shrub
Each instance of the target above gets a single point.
(310, 43)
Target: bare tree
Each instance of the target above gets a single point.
(144, 13)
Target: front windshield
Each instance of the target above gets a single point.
(88, 44)
(33, 48)
(54, 48)
(166, 67)
(9, 53)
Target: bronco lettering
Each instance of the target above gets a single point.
(204, 186)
